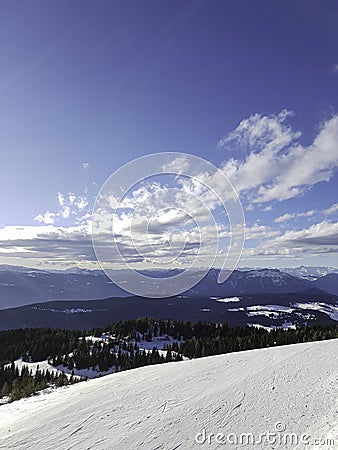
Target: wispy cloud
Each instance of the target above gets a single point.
(323, 234)
(332, 209)
(258, 231)
(262, 132)
(318, 239)
(276, 166)
(70, 205)
(286, 217)
(47, 218)
(42, 244)
(267, 208)
(61, 199)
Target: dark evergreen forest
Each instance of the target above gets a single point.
(119, 348)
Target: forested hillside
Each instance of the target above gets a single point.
(127, 345)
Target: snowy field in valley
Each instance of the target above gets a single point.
(226, 300)
(330, 310)
(281, 390)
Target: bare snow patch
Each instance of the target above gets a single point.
(330, 310)
(268, 310)
(226, 299)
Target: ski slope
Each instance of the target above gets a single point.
(281, 390)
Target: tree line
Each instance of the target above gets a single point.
(19, 384)
(120, 349)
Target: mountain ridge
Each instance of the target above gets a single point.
(22, 286)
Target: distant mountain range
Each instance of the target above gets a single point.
(328, 283)
(79, 298)
(258, 281)
(310, 272)
(22, 286)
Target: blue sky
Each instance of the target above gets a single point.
(252, 87)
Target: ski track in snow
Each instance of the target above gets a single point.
(165, 406)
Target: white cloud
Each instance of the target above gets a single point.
(65, 212)
(305, 166)
(11, 233)
(27, 232)
(318, 239)
(276, 167)
(286, 217)
(71, 197)
(177, 165)
(262, 132)
(61, 199)
(85, 165)
(267, 208)
(46, 218)
(47, 244)
(324, 233)
(258, 231)
(81, 203)
(332, 209)
(71, 206)
(335, 68)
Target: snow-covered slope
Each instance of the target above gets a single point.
(42, 366)
(283, 390)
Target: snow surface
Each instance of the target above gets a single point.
(104, 338)
(330, 310)
(157, 341)
(292, 388)
(43, 365)
(276, 308)
(226, 300)
(268, 310)
(69, 310)
(89, 373)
